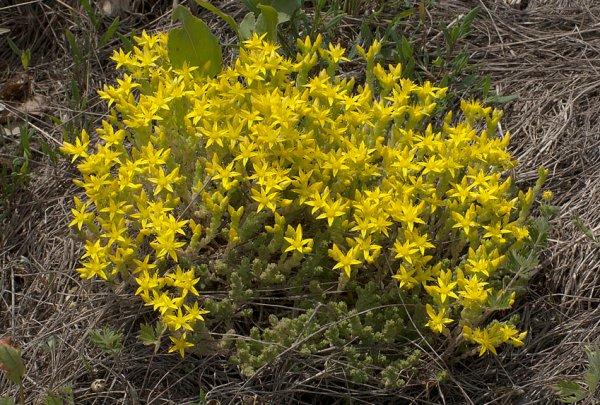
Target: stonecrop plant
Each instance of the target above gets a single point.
(284, 173)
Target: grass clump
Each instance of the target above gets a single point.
(292, 209)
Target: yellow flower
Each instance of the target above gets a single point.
(183, 158)
(265, 199)
(94, 250)
(465, 222)
(194, 314)
(80, 214)
(79, 148)
(407, 214)
(405, 277)
(444, 287)
(178, 321)
(147, 282)
(482, 337)
(332, 210)
(162, 302)
(144, 265)
(344, 261)
(114, 233)
(297, 242)
(164, 182)
(121, 58)
(180, 344)
(473, 292)
(405, 251)
(165, 244)
(94, 268)
(185, 281)
(437, 320)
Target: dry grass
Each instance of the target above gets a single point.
(548, 54)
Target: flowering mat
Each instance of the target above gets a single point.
(547, 54)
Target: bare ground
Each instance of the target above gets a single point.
(547, 54)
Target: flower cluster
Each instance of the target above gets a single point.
(376, 178)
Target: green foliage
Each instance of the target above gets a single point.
(321, 216)
(247, 26)
(285, 7)
(152, 335)
(193, 44)
(86, 42)
(91, 13)
(23, 54)
(60, 396)
(267, 21)
(585, 229)
(226, 17)
(373, 325)
(572, 391)
(15, 173)
(12, 363)
(107, 339)
(54, 400)
(109, 33)
(264, 17)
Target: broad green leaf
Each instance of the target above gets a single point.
(7, 401)
(334, 21)
(160, 328)
(267, 22)
(282, 17)
(107, 339)
(247, 26)
(406, 50)
(226, 17)
(25, 58)
(193, 43)
(12, 363)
